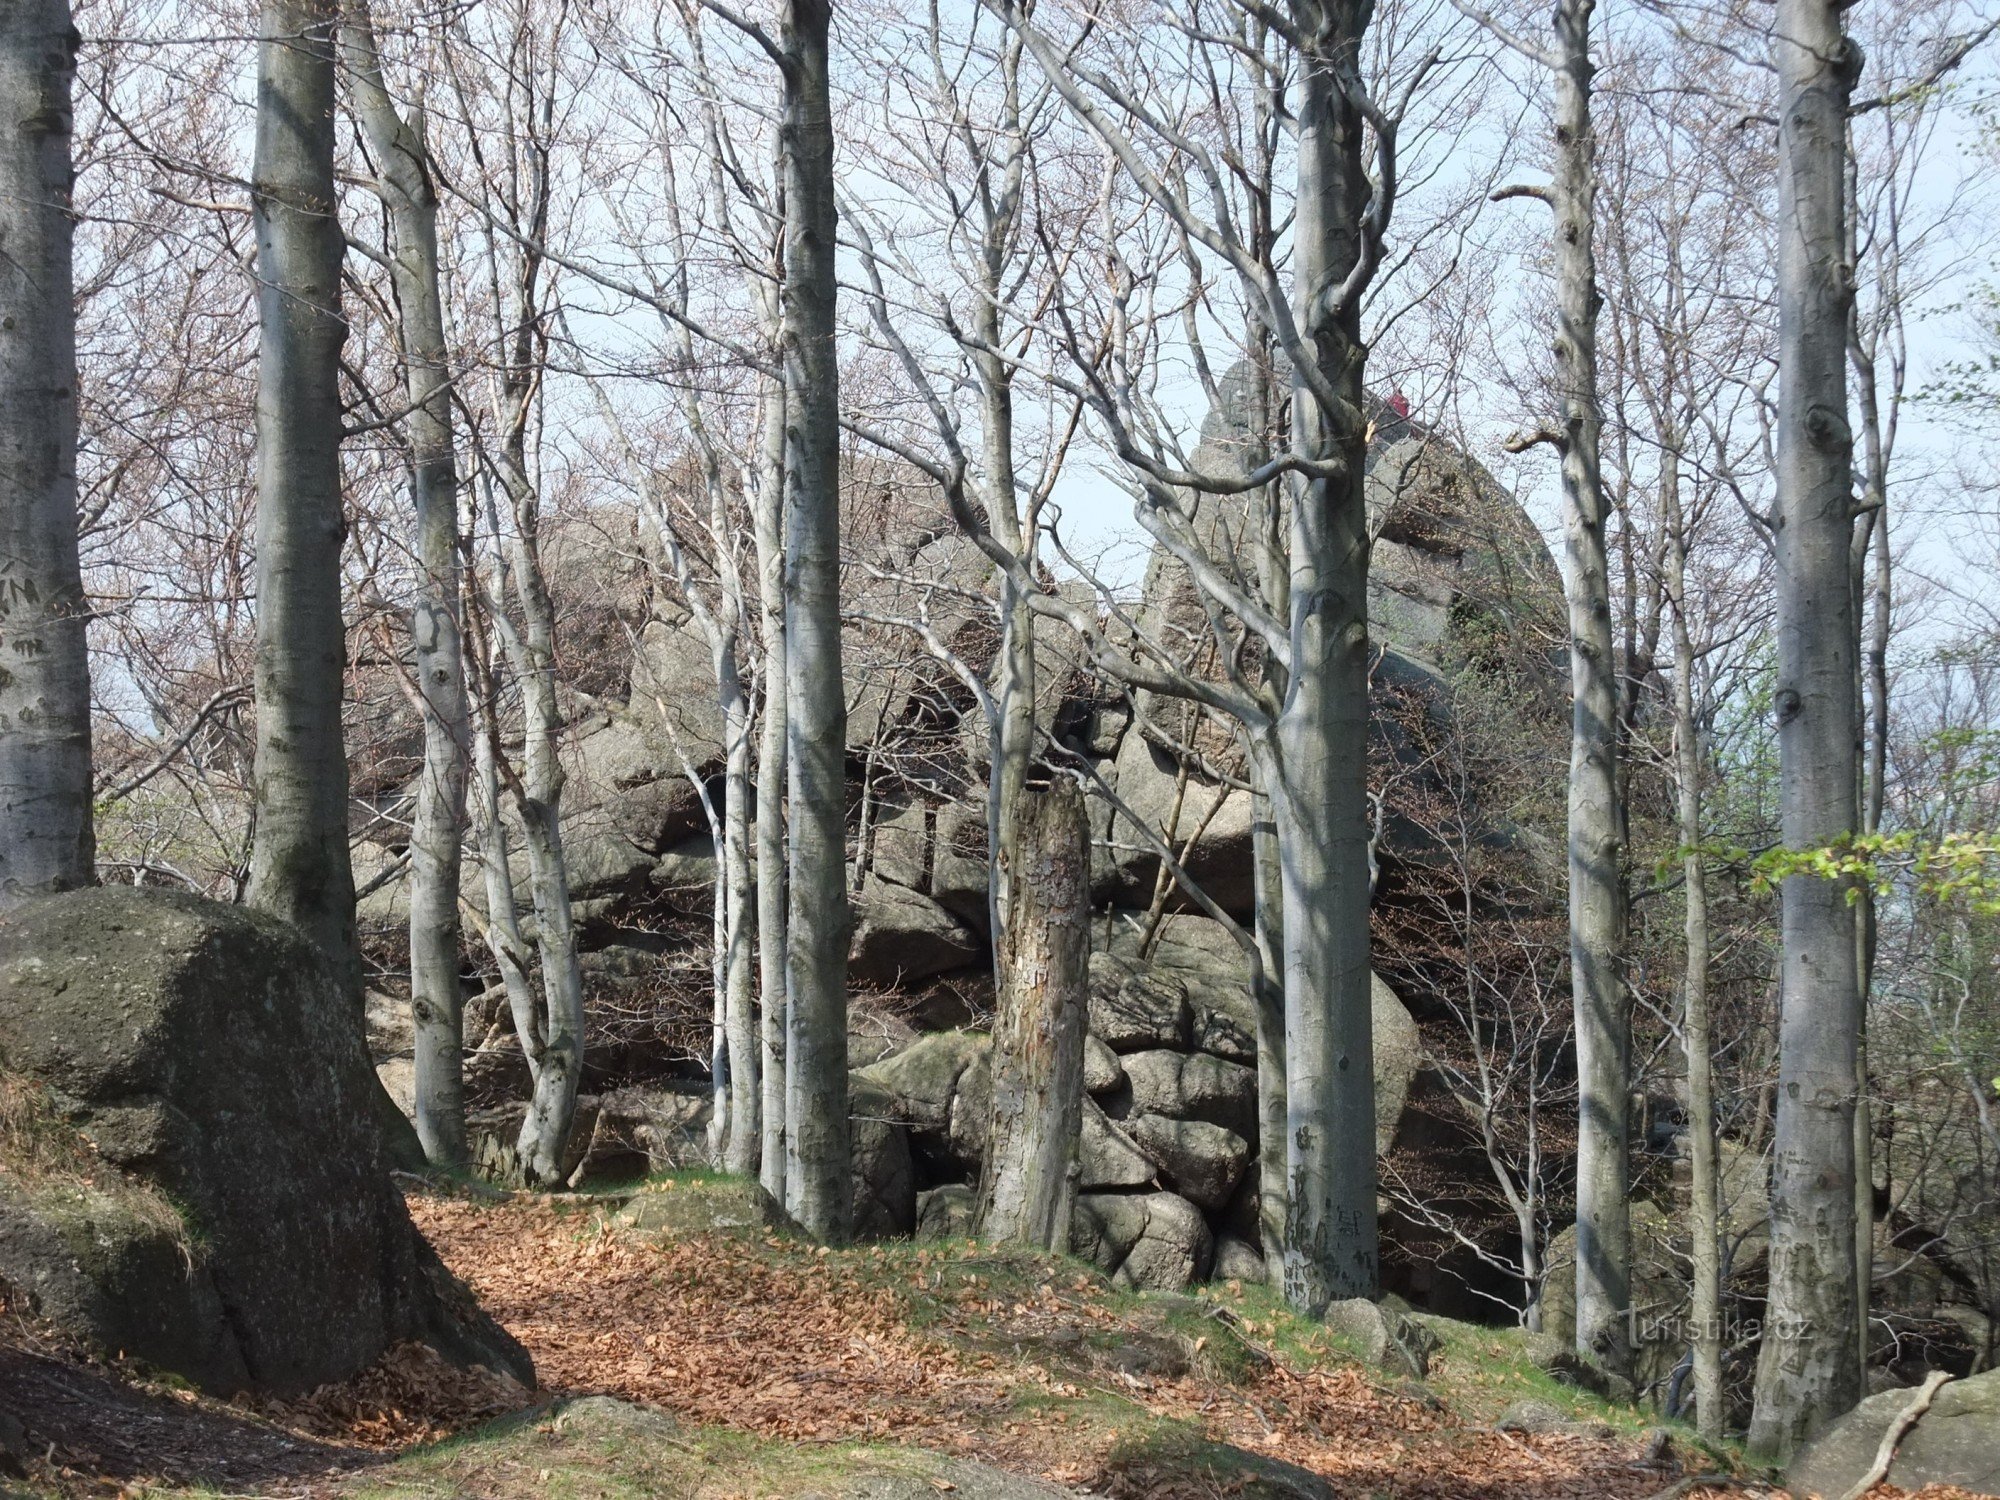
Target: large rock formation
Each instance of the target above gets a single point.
(191, 1172)
(1170, 1143)
(1458, 568)
(1170, 1067)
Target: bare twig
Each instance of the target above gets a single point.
(1907, 1418)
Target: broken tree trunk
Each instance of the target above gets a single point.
(1029, 1184)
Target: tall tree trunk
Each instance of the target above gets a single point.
(1268, 407)
(1269, 997)
(1014, 685)
(1029, 1185)
(1528, 1235)
(746, 1128)
(1014, 739)
(1873, 600)
(1596, 879)
(720, 1096)
(818, 1191)
(552, 1108)
(504, 938)
(768, 523)
(46, 837)
(1319, 784)
(299, 867)
(1704, 1210)
(1806, 1370)
(437, 833)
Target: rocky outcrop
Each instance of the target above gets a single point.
(902, 937)
(210, 1191)
(1955, 1442)
(1170, 1062)
(1108, 1159)
(1456, 568)
(1239, 1260)
(1196, 985)
(1201, 1161)
(1192, 1086)
(1171, 1117)
(946, 1212)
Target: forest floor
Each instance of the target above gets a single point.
(744, 1362)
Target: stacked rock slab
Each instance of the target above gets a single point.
(210, 1192)
(1168, 1156)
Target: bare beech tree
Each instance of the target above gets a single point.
(716, 600)
(513, 190)
(404, 180)
(966, 254)
(733, 223)
(967, 133)
(1901, 221)
(1806, 1371)
(166, 489)
(1596, 837)
(46, 831)
(1684, 356)
(1309, 735)
(1491, 953)
(817, 1189)
(300, 866)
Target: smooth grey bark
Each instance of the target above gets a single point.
(1596, 874)
(817, 1189)
(1268, 885)
(1028, 1187)
(538, 790)
(554, 1038)
(437, 830)
(722, 1122)
(1318, 778)
(47, 841)
(1269, 995)
(504, 937)
(719, 1094)
(1878, 397)
(746, 1129)
(299, 865)
(1704, 1211)
(1601, 1003)
(1014, 684)
(1806, 1370)
(768, 528)
(735, 1064)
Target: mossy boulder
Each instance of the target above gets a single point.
(1955, 1442)
(218, 1201)
(942, 1089)
(885, 1179)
